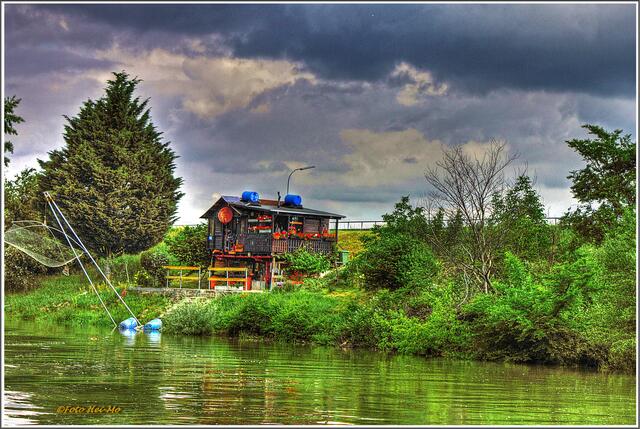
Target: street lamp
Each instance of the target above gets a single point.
(298, 169)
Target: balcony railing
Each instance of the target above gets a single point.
(266, 244)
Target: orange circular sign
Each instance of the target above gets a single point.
(225, 215)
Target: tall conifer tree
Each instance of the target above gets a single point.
(114, 177)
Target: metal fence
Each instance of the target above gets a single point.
(359, 224)
(369, 224)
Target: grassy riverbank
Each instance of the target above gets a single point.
(408, 322)
(563, 301)
(69, 300)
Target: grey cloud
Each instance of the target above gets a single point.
(19, 62)
(528, 74)
(478, 48)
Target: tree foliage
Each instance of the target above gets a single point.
(10, 120)
(188, 245)
(607, 184)
(22, 201)
(518, 216)
(114, 177)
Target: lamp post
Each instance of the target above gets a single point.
(298, 169)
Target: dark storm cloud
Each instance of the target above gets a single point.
(51, 60)
(530, 75)
(478, 48)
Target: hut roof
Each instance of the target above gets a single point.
(270, 206)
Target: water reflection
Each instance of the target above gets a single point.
(156, 378)
(153, 337)
(129, 336)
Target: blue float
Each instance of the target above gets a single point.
(130, 323)
(250, 197)
(153, 325)
(292, 200)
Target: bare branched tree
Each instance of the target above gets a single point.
(467, 184)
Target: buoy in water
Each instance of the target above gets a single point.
(130, 323)
(154, 325)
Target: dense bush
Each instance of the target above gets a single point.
(609, 319)
(531, 321)
(394, 260)
(152, 261)
(304, 262)
(302, 316)
(20, 270)
(293, 316)
(188, 245)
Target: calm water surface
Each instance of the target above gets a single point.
(157, 378)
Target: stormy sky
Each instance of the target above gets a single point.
(370, 94)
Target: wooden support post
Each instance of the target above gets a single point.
(273, 263)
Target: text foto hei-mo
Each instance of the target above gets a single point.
(91, 409)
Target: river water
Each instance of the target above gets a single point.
(161, 379)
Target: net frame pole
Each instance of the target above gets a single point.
(84, 248)
(82, 265)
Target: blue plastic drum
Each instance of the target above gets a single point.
(154, 325)
(292, 200)
(130, 323)
(250, 197)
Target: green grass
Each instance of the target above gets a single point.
(338, 318)
(71, 301)
(350, 240)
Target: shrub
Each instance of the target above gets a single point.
(305, 262)
(395, 261)
(20, 270)
(189, 245)
(190, 318)
(152, 261)
(622, 355)
(528, 321)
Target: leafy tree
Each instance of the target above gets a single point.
(21, 198)
(114, 177)
(10, 119)
(519, 217)
(607, 182)
(405, 218)
(188, 245)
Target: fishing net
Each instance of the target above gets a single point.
(43, 243)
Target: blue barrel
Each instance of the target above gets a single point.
(250, 197)
(130, 323)
(292, 200)
(154, 325)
